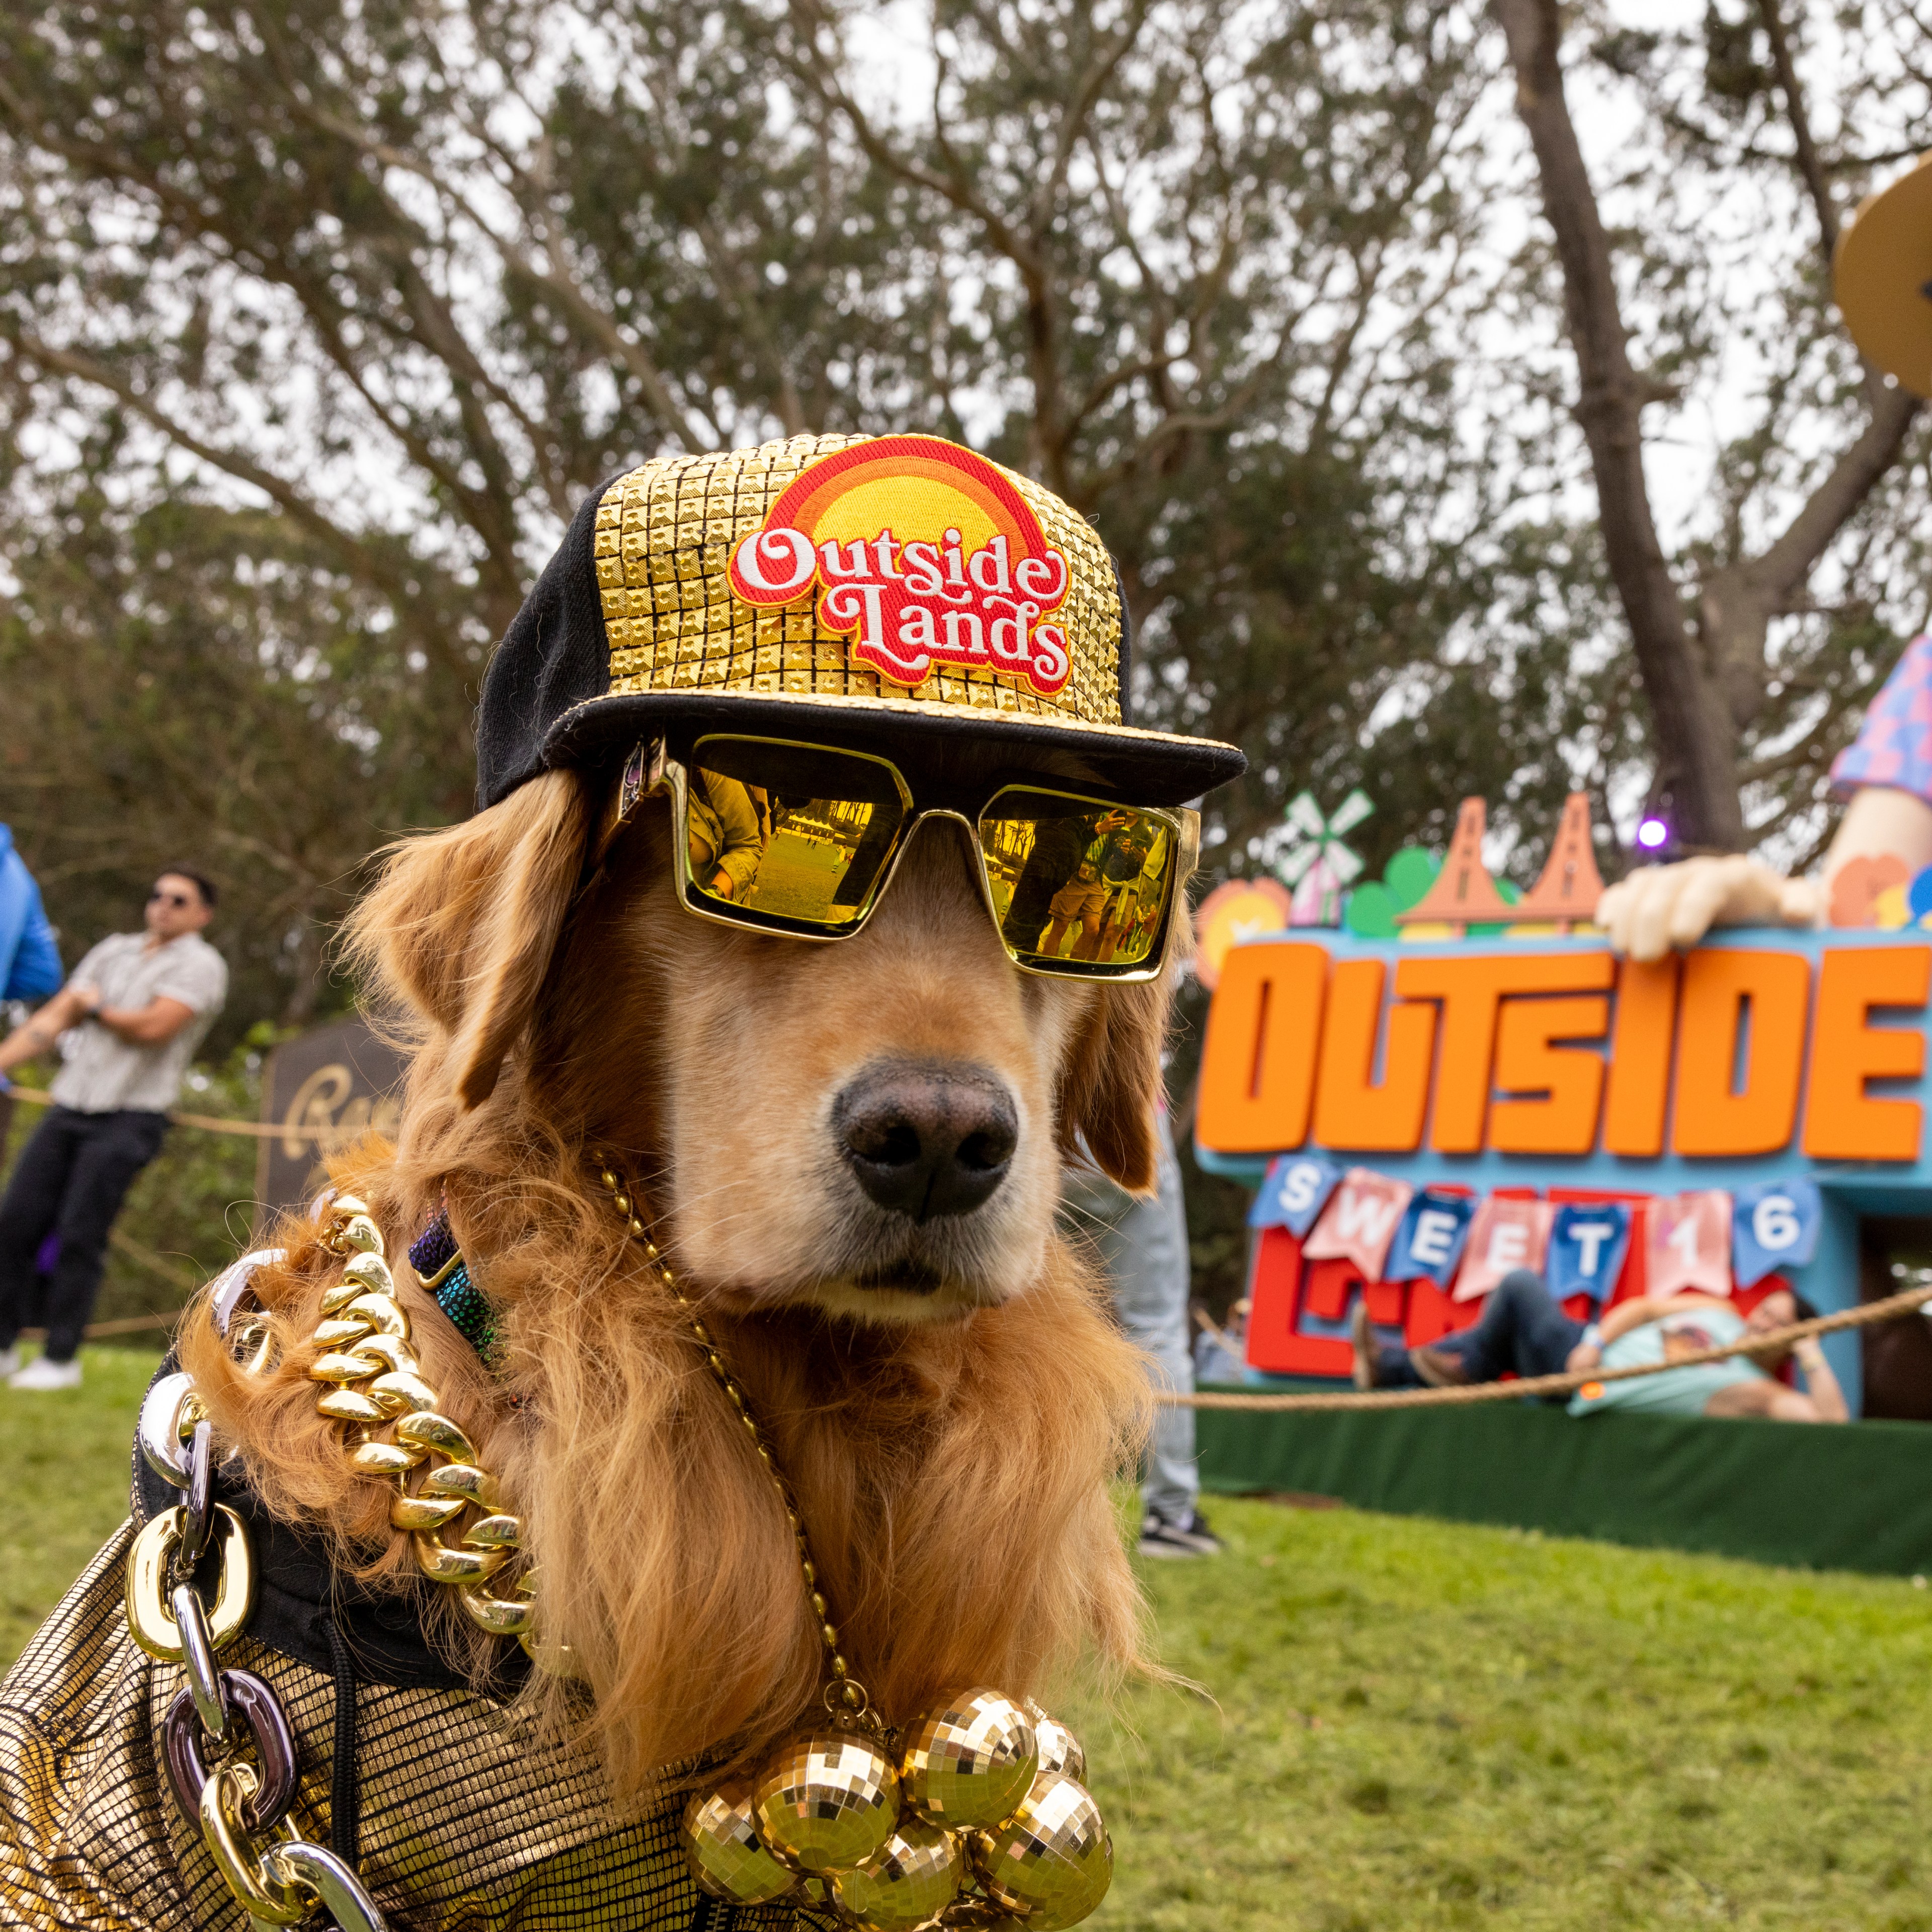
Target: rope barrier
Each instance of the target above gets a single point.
(1773, 1341)
(215, 1123)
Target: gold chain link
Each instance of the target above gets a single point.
(272, 1873)
(377, 1389)
(846, 1695)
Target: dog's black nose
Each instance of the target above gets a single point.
(926, 1138)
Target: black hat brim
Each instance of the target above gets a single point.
(1147, 767)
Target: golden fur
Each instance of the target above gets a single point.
(950, 1446)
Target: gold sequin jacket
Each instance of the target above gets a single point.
(462, 1825)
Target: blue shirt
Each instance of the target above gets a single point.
(30, 964)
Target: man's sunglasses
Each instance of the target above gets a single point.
(802, 840)
(158, 897)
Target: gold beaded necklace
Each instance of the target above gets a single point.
(848, 1694)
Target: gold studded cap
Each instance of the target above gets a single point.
(878, 591)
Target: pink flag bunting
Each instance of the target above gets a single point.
(1505, 1235)
(1360, 1221)
(1690, 1245)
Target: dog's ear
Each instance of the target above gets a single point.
(462, 925)
(1112, 1081)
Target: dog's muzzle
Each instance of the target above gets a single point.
(926, 1138)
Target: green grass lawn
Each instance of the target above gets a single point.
(65, 1457)
(1412, 1725)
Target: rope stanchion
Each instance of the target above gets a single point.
(1772, 1342)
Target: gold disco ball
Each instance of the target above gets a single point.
(720, 1837)
(1059, 1748)
(1051, 1862)
(827, 1800)
(907, 1883)
(969, 1760)
(1880, 274)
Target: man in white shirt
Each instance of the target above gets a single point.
(127, 1024)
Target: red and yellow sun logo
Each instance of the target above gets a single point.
(923, 550)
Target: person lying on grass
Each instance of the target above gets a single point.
(1524, 1332)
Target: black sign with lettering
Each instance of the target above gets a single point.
(325, 1091)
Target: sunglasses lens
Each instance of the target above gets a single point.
(790, 832)
(1077, 881)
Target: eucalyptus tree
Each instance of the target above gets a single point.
(1692, 276)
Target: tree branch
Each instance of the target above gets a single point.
(1783, 568)
(1693, 729)
(1809, 165)
(554, 275)
(359, 558)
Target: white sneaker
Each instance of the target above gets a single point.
(42, 1374)
(11, 1360)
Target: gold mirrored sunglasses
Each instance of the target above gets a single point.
(800, 839)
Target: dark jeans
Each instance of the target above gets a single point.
(71, 1180)
(1521, 1331)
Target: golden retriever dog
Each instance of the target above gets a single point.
(849, 1154)
(948, 1396)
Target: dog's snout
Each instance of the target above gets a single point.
(926, 1139)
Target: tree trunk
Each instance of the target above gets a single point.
(1690, 718)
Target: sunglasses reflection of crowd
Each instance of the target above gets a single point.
(1094, 877)
(1085, 872)
(730, 827)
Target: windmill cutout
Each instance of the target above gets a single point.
(1317, 864)
(1570, 885)
(1463, 894)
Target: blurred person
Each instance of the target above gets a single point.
(1143, 1246)
(128, 1023)
(1123, 862)
(30, 967)
(1886, 772)
(1523, 1331)
(1218, 1351)
(726, 842)
(1082, 900)
(1057, 845)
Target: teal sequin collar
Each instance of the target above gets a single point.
(440, 1268)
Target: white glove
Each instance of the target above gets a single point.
(1658, 907)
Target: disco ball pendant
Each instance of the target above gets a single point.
(827, 1800)
(969, 1760)
(720, 1838)
(1059, 1748)
(1050, 1863)
(907, 1883)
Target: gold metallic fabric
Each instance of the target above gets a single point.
(467, 1827)
(665, 539)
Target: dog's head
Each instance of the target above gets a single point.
(874, 1126)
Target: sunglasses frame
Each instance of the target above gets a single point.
(652, 771)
